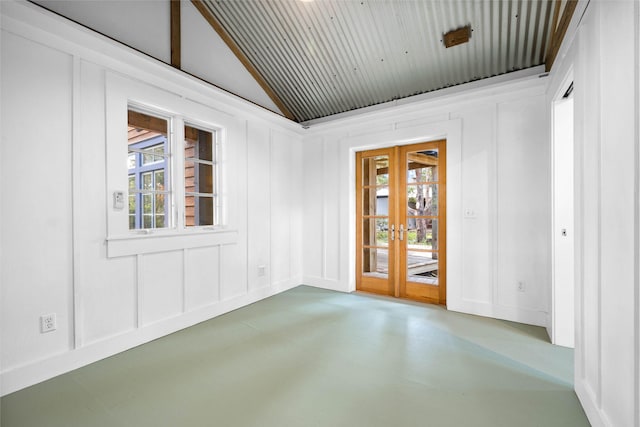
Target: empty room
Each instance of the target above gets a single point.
(320, 213)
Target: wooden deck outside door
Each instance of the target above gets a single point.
(401, 221)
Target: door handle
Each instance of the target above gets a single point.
(401, 231)
(393, 232)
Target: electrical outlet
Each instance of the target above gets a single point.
(521, 286)
(261, 270)
(48, 323)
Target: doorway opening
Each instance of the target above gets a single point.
(401, 221)
(563, 265)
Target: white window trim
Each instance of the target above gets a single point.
(122, 94)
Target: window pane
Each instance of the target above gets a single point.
(375, 231)
(422, 233)
(153, 154)
(159, 178)
(132, 211)
(147, 203)
(375, 201)
(422, 200)
(205, 179)
(375, 262)
(189, 177)
(132, 204)
(422, 166)
(147, 162)
(422, 267)
(375, 170)
(190, 211)
(147, 181)
(199, 177)
(205, 146)
(205, 210)
(147, 158)
(159, 204)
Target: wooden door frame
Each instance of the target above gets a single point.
(397, 250)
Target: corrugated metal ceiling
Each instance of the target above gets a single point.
(325, 57)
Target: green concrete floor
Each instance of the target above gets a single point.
(312, 357)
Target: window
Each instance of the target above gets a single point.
(165, 159)
(199, 177)
(147, 163)
(149, 168)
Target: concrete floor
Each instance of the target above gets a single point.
(311, 357)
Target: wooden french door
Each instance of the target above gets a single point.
(401, 221)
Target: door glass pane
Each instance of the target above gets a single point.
(375, 231)
(375, 201)
(422, 166)
(375, 170)
(422, 199)
(375, 262)
(422, 233)
(422, 267)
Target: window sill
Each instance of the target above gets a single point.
(168, 240)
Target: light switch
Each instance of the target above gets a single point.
(470, 213)
(118, 200)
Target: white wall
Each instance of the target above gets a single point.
(145, 26)
(605, 57)
(58, 256)
(498, 165)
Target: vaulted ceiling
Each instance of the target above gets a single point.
(317, 58)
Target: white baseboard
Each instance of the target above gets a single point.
(24, 376)
(596, 416)
(485, 309)
(330, 284)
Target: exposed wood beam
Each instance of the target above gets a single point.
(558, 31)
(143, 121)
(190, 133)
(175, 34)
(422, 159)
(554, 26)
(213, 21)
